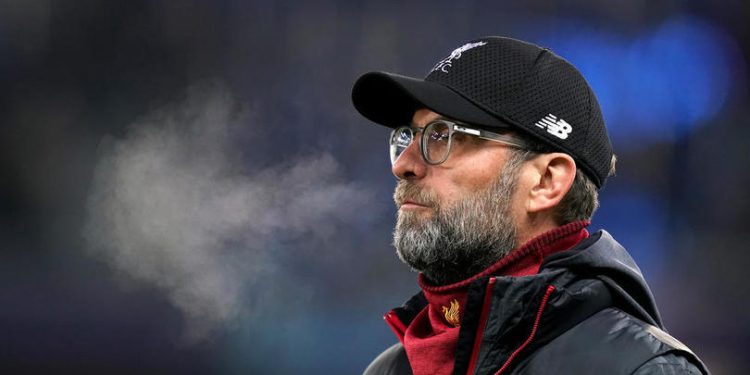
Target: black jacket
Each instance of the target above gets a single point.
(587, 311)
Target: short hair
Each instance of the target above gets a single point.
(582, 200)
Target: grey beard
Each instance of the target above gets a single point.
(461, 240)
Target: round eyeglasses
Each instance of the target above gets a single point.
(439, 136)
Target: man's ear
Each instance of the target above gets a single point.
(553, 177)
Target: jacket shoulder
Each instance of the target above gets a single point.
(391, 361)
(612, 342)
(668, 364)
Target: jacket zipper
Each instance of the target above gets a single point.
(481, 325)
(542, 305)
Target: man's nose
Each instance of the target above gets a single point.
(410, 165)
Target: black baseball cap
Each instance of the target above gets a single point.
(499, 82)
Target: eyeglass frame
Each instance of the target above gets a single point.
(453, 127)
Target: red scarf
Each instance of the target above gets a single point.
(430, 340)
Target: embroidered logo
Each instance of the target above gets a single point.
(557, 127)
(451, 314)
(446, 63)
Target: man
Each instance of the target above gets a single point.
(499, 154)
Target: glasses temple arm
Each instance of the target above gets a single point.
(507, 139)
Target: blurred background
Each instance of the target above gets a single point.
(185, 186)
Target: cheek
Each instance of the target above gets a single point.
(484, 169)
(468, 172)
(453, 184)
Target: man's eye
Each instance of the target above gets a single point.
(439, 137)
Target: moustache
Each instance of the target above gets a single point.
(407, 191)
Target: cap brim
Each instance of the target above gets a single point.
(391, 100)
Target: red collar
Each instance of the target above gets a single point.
(524, 260)
(431, 337)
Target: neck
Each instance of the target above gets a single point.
(533, 226)
(525, 259)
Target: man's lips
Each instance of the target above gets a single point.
(410, 204)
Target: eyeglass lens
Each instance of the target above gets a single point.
(435, 142)
(400, 139)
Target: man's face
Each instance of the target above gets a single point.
(455, 218)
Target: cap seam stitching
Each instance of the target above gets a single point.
(530, 132)
(526, 78)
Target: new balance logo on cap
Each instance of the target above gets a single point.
(557, 127)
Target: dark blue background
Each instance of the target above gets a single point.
(671, 78)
